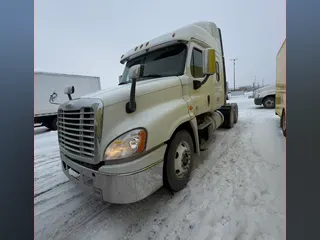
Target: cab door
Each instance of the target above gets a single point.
(218, 84)
(203, 99)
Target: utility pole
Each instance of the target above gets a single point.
(234, 72)
(262, 83)
(254, 84)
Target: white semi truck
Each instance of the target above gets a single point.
(125, 143)
(49, 93)
(266, 96)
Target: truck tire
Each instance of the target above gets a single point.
(53, 124)
(284, 124)
(178, 161)
(228, 112)
(269, 102)
(235, 108)
(229, 117)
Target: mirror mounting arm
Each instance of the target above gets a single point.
(69, 90)
(197, 84)
(135, 72)
(131, 105)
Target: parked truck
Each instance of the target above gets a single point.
(281, 88)
(49, 93)
(123, 144)
(265, 96)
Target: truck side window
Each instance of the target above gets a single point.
(218, 72)
(196, 64)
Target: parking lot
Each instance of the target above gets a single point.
(236, 191)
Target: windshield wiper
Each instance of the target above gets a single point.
(146, 76)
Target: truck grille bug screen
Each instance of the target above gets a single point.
(77, 131)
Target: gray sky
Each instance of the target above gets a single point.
(89, 36)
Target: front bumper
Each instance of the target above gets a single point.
(115, 187)
(258, 101)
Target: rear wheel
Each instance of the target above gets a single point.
(269, 102)
(235, 108)
(230, 114)
(284, 124)
(178, 161)
(231, 119)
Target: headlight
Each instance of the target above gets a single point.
(126, 145)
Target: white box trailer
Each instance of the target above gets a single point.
(49, 94)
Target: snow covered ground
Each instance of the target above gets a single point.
(236, 192)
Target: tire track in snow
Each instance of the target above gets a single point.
(49, 189)
(179, 230)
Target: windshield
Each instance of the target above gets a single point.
(168, 61)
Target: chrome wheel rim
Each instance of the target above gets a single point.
(182, 159)
(269, 103)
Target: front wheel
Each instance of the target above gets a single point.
(52, 125)
(269, 102)
(178, 161)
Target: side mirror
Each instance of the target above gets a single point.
(209, 67)
(69, 90)
(120, 78)
(135, 72)
(209, 61)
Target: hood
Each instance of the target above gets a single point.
(266, 88)
(121, 93)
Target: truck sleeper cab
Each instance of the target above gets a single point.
(124, 143)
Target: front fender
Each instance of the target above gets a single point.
(160, 113)
(160, 122)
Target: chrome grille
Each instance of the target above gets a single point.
(76, 131)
